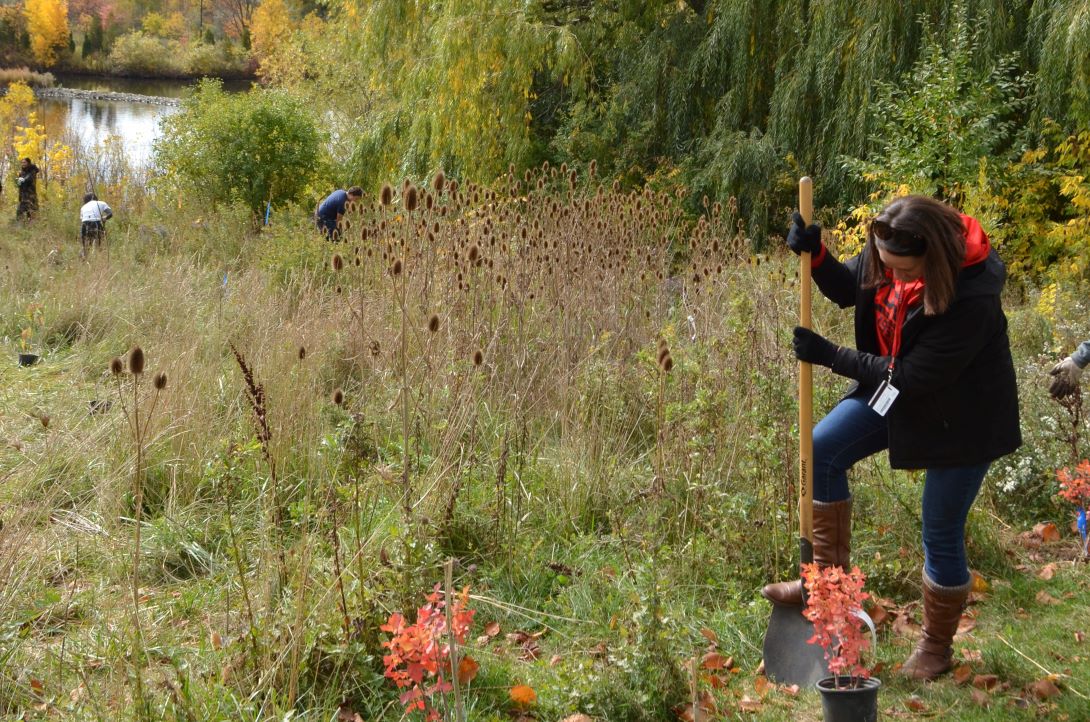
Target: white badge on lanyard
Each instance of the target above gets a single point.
(883, 397)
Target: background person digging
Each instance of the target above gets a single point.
(93, 215)
(935, 386)
(330, 211)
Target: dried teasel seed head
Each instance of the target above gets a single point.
(396, 268)
(663, 353)
(667, 363)
(136, 360)
(592, 169)
(439, 181)
(117, 365)
(302, 352)
(411, 198)
(160, 381)
(44, 418)
(474, 253)
(338, 262)
(433, 323)
(386, 195)
(478, 357)
(338, 397)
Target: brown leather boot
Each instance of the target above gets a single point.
(942, 608)
(832, 547)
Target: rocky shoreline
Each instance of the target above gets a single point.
(104, 95)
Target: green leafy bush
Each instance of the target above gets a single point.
(251, 147)
(140, 54)
(933, 130)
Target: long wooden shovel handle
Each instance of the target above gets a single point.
(806, 390)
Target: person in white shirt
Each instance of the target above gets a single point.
(93, 215)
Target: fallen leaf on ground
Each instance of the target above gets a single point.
(965, 625)
(714, 660)
(491, 629)
(709, 635)
(980, 698)
(980, 584)
(1044, 597)
(1047, 571)
(748, 704)
(577, 718)
(1046, 531)
(963, 674)
(467, 670)
(878, 614)
(761, 685)
(972, 655)
(915, 704)
(903, 626)
(1044, 689)
(791, 690)
(986, 681)
(1079, 636)
(347, 714)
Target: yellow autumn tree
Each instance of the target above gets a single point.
(15, 108)
(47, 25)
(270, 32)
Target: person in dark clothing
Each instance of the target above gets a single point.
(934, 384)
(28, 190)
(332, 209)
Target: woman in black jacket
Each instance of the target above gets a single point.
(28, 190)
(935, 385)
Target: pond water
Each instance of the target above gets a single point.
(90, 122)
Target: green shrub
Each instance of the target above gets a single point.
(252, 147)
(140, 54)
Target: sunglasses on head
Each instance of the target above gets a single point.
(896, 241)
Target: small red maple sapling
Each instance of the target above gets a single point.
(419, 658)
(1075, 488)
(834, 599)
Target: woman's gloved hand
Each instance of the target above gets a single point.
(813, 347)
(802, 238)
(1065, 378)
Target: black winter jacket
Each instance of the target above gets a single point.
(958, 402)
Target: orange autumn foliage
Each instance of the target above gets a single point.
(523, 695)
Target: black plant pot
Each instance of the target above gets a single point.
(849, 703)
(28, 359)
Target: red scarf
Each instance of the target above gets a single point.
(894, 299)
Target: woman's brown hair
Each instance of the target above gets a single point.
(942, 232)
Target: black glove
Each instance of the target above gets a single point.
(813, 347)
(802, 238)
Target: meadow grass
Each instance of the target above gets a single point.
(485, 384)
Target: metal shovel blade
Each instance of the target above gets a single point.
(789, 659)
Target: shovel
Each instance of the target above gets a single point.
(789, 658)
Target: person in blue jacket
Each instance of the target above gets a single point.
(332, 209)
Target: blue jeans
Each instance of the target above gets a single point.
(853, 431)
